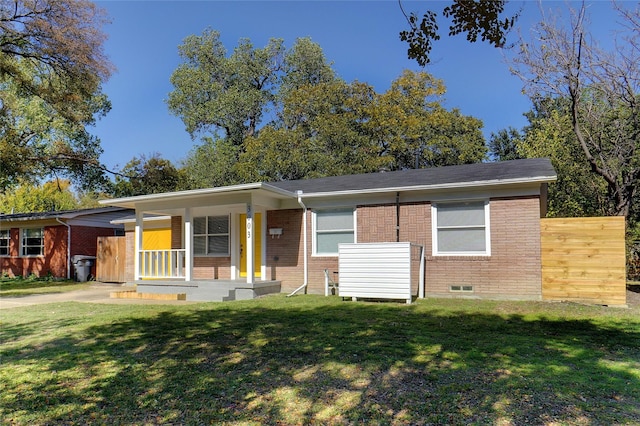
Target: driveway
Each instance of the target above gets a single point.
(97, 293)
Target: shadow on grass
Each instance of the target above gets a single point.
(328, 363)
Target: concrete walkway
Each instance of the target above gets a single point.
(97, 293)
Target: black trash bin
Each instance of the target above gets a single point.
(82, 266)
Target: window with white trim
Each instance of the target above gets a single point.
(32, 242)
(4, 242)
(461, 228)
(330, 228)
(211, 236)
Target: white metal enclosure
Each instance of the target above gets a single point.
(379, 270)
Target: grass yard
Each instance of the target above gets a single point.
(12, 287)
(317, 360)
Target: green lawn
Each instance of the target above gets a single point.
(317, 360)
(11, 287)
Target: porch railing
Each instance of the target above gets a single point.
(162, 263)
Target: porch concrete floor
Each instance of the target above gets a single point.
(207, 290)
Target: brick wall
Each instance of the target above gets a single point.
(176, 232)
(207, 268)
(53, 262)
(512, 271)
(129, 268)
(285, 254)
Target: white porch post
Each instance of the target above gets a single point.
(249, 245)
(137, 244)
(188, 244)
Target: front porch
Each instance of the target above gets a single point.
(200, 290)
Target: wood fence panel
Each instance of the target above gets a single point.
(111, 259)
(583, 260)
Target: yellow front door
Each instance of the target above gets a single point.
(257, 244)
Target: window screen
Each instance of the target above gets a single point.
(461, 228)
(333, 227)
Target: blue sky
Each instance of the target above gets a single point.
(359, 37)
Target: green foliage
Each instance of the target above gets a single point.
(413, 130)
(338, 128)
(211, 164)
(475, 18)
(503, 146)
(320, 125)
(142, 176)
(51, 70)
(215, 92)
(51, 196)
(577, 192)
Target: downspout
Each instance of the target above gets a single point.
(68, 246)
(397, 217)
(304, 233)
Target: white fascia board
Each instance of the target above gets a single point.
(444, 186)
(130, 202)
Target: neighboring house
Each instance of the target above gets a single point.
(44, 243)
(479, 224)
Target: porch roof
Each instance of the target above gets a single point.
(222, 195)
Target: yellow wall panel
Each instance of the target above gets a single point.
(156, 239)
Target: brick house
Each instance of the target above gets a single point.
(44, 243)
(479, 225)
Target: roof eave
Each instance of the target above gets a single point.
(444, 186)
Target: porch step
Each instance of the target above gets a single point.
(205, 291)
(133, 294)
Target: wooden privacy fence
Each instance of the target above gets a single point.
(111, 258)
(583, 260)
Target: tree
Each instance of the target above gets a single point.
(211, 164)
(337, 128)
(214, 92)
(51, 70)
(503, 146)
(414, 130)
(603, 91)
(477, 18)
(51, 196)
(577, 191)
(319, 124)
(320, 135)
(142, 176)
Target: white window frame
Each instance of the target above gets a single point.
(24, 246)
(5, 234)
(435, 228)
(314, 232)
(206, 235)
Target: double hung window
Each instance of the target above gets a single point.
(211, 235)
(332, 227)
(4, 242)
(461, 228)
(33, 242)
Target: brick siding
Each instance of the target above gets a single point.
(511, 272)
(54, 260)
